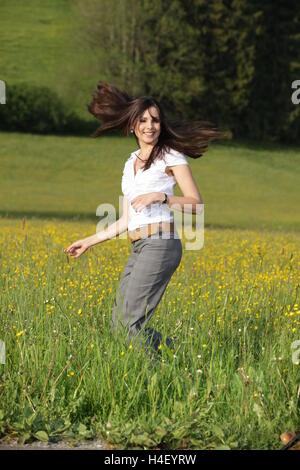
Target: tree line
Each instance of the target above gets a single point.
(229, 61)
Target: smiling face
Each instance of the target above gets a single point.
(147, 128)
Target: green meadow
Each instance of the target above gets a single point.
(243, 185)
(232, 308)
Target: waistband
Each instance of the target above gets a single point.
(150, 229)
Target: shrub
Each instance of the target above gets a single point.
(39, 110)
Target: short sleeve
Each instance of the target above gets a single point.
(174, 157)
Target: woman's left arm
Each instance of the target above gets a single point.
(191, 195)
(189, 189)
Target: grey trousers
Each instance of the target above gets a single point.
(145, 277)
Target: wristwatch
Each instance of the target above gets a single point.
(165, 201)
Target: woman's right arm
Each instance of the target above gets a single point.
(78, 248)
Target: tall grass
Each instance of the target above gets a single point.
(232, 309)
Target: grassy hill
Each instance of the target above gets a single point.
(40, 43)
(242, 185)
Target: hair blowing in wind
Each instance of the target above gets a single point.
(115, 109)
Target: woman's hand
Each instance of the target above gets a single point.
(77, 248)
(143, 200)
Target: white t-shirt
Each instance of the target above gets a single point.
(155, 179)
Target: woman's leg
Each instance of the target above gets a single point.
(144, 281)
(117, 312)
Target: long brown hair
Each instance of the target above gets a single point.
(117, 110)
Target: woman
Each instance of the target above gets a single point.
(149, 177)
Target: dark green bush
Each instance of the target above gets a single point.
(39, 110)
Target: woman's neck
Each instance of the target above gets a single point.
(145, 151)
